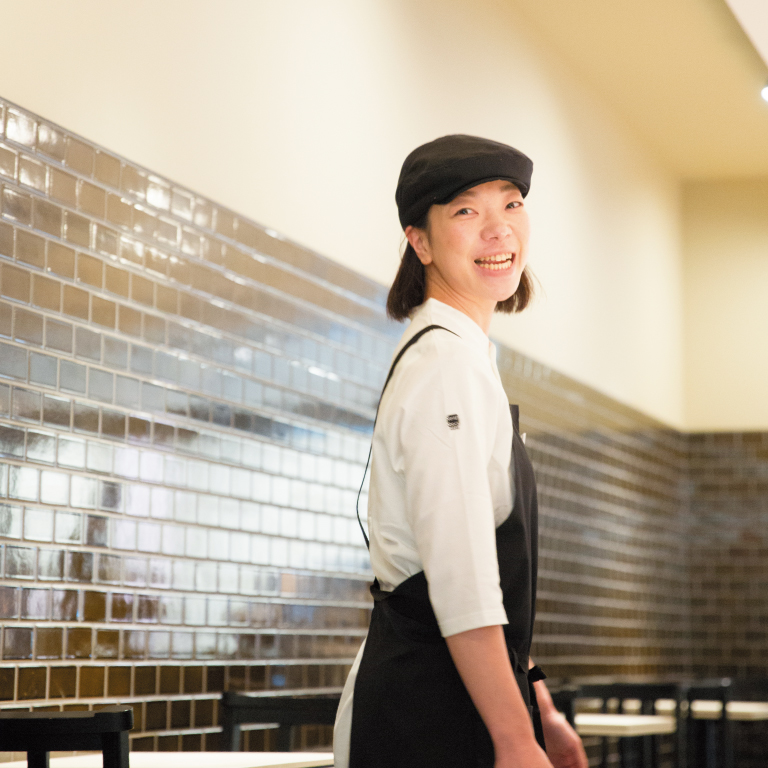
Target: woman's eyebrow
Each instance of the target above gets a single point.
(466, 196)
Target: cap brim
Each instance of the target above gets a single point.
(522, 187)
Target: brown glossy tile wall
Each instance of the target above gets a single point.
(729, 553)
(186, 400)
(613, 598)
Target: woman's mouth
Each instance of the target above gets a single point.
(498, 262)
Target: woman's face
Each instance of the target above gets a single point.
(475, 248)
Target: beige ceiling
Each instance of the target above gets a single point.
(682, 73)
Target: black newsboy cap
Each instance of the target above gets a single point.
(440, 170)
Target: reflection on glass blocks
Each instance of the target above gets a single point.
(25, 405)
(20, 562)
(72, 377)
(71, 452)
(11, 441)
(38, 524)
(23, 483)
(50, 565)
(64, 605)
(54, 487)
(17, 643)
(41, 447)
(79, 566)
(68, 527)
(49, 645)
(28, 327)
(13, 362)
(43, 369)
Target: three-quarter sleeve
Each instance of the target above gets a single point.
(445, 432)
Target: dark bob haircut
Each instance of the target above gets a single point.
(409, 286)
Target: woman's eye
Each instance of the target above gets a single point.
(463, 211)
(515, 204)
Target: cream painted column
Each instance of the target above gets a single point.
(726, 304)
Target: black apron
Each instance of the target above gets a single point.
(410, 707)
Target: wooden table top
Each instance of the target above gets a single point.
(198, 760)
(631, 724)
(600, 724)
(737, 710)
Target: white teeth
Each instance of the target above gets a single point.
(502, 261)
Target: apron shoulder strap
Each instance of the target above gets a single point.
(515, 411)
(406, 346)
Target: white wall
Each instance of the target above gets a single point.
(726, 306)
(298, 114)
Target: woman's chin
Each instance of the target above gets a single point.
(501, 287)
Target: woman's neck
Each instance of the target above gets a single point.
(481, 314)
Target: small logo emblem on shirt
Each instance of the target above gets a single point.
(453, 421)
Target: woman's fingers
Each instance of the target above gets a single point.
(564, 747)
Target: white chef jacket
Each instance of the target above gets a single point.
(441, 479)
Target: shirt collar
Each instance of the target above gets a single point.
(436, 312)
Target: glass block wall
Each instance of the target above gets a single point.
(185, 405)
(186, 401)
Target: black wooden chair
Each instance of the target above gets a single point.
(710, 740)
(39, 733)
(750, 745)
(633, 750)
(238, 709)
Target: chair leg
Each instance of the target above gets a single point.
(624, 759)
(115, 750)
(284, 738)
(230, 734)
(710, 744)
(727, 749)
(680, 743)
(37, 758)
(634, 752)
(697, 737)
(651, 751)
(603, 752)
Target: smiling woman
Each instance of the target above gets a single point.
(444, 677)
(481, 205)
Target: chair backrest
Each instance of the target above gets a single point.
(647, 693)
(751, 688)
(715, 689)
(294, 710)
(108, 720)
(287, 711)
(39, 733)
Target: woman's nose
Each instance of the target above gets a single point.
(496, 228)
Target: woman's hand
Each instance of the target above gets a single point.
(564, 747)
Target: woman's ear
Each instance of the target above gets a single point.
(420, 244)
